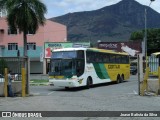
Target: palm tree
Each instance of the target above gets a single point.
(25, 15)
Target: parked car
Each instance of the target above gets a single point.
(1, 78)
(133, 70)
(17, 77)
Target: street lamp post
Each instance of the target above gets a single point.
(145, 83)
(145, 38)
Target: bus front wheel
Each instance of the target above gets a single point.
(67, 88)
(89, 83)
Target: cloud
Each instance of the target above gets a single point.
(83, 5)
(154, 5)
(60, 7)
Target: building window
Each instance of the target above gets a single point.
(31, 32)
(31, 46)
(12, 31)
(12, 46)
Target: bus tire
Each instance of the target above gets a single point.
(89, 82)
(118, 79)
(122, 78)
(67, 88)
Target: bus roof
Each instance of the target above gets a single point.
(91, 49)
(70, 49)
(106, 51)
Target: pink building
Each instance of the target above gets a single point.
(11, 41)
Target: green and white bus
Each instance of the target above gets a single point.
(75, 67)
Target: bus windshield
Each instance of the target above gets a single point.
(64, 67)
(67, 63)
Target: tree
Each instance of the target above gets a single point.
(137, 35)
(153, 37)
(25, 15)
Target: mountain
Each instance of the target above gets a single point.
(111, 23)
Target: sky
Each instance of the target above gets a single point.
(61, 7)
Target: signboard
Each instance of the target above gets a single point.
(116, 46)
(50, 46)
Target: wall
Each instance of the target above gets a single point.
(16, 87)
(36, 67)
(50, 32)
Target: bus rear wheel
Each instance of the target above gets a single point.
(118, 79)
(122, 78)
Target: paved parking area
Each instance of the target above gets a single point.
(106, 97)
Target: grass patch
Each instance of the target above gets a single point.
(38, 81)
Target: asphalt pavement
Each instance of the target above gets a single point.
(105, 97)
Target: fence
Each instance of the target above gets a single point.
(15, 64)
(151, 80)
(153, 63)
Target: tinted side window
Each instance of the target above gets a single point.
(118, 59)
(112, 58)
(89, 56)
(125, 59)
(80, 67)
(106, 58)
(80, 54)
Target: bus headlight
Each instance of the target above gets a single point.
(74, 78)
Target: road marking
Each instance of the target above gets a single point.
(50, 93)
(134, 92)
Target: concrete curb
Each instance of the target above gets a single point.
(39, 84)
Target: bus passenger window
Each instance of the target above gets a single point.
(118, 59)
(125, 59)
(112, 58)
(80, 54)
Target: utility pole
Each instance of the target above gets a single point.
(145, 36)
(145, 81)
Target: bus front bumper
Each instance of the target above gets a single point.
(64, 83)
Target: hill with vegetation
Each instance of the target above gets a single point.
(110, 23)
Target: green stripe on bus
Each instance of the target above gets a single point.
(101, 70)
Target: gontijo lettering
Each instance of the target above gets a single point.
(113, 66)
